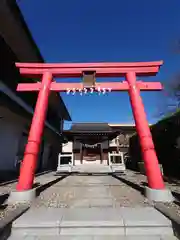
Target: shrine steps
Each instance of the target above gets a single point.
(93, 223)
(91, 168)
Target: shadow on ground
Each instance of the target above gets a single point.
(3, 198)
(43, 187)
(129, 183)
(6, 232)
(6, 222)
(176, 195)
(175, 182)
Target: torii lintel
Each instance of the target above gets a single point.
(66, 70)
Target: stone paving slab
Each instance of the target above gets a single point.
(149, 230)
(134, 238)
(145, 221)
(92, 168)
(94, 238)
(42, 217)
(94, 231)
(89, 180)
(92, 203)
(92, 218)
(91, 221)
(147, 216)
(97, 192)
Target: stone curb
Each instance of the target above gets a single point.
(11, 216)
(172, 215)
(137, 187)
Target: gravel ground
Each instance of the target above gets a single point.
(140, 179)
(90, 191)
(8, 210)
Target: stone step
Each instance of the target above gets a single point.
(118, 168)
(100, 237)
(89, 168)
(92, 168)
(92, 222)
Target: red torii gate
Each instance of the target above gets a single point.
(67, 70)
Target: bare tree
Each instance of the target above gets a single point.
(171, 94)
(122, 141)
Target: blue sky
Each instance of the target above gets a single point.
(112, 31)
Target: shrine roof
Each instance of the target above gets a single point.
(90, 131)
(91, 127)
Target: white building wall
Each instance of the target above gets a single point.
(112, 143)
(11, 128)
(67, 147)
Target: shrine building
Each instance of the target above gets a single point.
(99, 143)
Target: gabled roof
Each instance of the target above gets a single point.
(91, 127)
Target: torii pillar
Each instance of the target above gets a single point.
(156, 190)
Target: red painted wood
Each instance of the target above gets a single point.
(153, 172)
(90, 65)
(29, 162)
(100, 72)
(21, 87)
(115, 86)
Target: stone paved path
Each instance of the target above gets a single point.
(90, 191)
(92, 208)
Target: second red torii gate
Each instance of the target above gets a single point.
(128, 70)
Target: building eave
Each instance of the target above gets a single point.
(124, 124)
(27, 108)
(90, 127)
(16, 34)
(70, 135)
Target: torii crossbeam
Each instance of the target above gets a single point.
(68, 70)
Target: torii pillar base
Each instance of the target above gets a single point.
(27, 196)
(159, 195)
